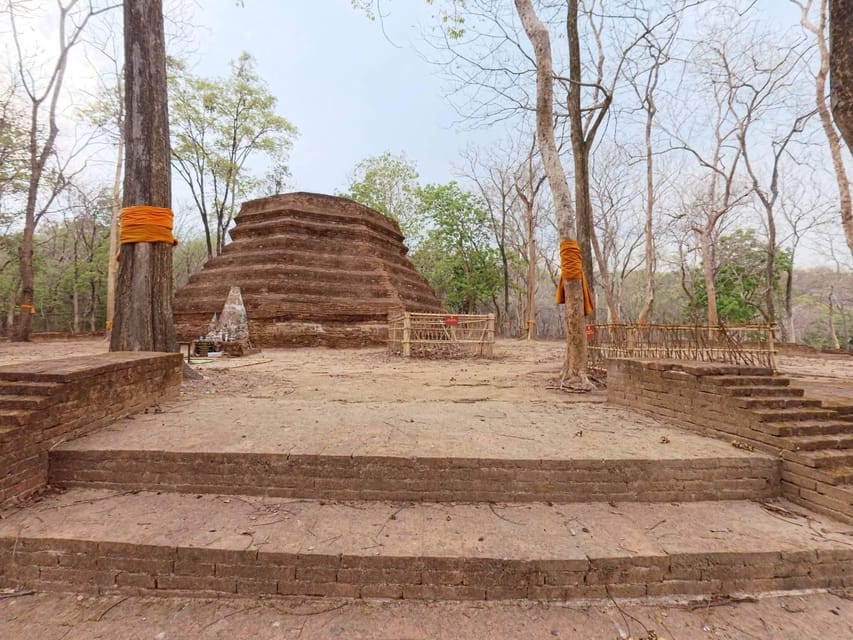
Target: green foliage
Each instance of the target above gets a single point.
(217, 126)
(14, 162)
(456, 255)
(452, 21)
(70, 264)
(389, 184)
(740, 280)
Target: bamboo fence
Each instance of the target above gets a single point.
(750, 344)
(441, 335)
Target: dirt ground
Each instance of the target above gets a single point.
(520, 371)
(68, 617)
(519, 375)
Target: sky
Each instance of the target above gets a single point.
(354, 88)
(351, 91)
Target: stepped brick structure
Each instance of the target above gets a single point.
(45, 403)
(313, 270)
(761, 411)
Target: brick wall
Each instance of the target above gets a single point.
(701, 397)
(49, 402)
(419, 479)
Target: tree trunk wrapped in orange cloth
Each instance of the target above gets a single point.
(147, 224)
(571, 268)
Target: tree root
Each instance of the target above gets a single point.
(577, 383)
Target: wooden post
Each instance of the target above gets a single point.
(490, 336)
(143, 318)
(407, 334)
(771, 348)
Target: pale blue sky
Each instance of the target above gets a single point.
(350, 91)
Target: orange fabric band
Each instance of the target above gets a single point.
(30, 307)
(146, 224)
(571, 268)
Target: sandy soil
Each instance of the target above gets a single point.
(520, 371)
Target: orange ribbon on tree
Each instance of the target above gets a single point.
(571, 268)
(142, 223)
(31, 308)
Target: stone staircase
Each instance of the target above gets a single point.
(45, 403)
(171, 505)
(815, 441)
(760, 410)
(24, 400)
(19, 398)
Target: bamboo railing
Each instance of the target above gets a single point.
(749, 344)
(441, 335)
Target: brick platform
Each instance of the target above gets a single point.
(48, 402)
(755, 409)
(101, 542)
(440, 451)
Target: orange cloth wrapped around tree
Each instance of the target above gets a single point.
(147, 224)
(571, 268)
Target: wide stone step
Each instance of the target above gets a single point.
(842, 474)
(714, 369)
(178, 544)
(740, 381)
(15, 401)
(758, 402)
(431, 479)
(764, 391)
(807, 428)
(823, 459)
(14, 417)
(28, 388)
(432, 450)
(820, 442)
(793, 414)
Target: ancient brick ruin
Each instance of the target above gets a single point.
(313, 270)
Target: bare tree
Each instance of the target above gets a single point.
(819, 30)
(802, 212)
(574, 372)
(757, 87)
(616, 235)
(494, 181)
(721, 190)
(73, 16)
(529, 180)
(644, 78)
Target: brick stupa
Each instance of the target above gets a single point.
(313, 270)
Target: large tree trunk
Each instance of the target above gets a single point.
(580, 147)
(708, 268)
(833, 335)
(842, 101)
(651, 266)
(790, 335)
(112, 263)
(606, 277)
(841, 66)
(143, 319)
(574, 369)
(531, 270)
